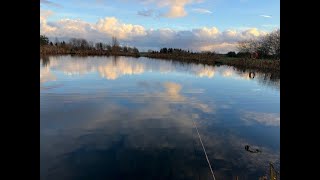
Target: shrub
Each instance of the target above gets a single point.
(231, 54)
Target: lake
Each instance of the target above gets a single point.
(137, 118)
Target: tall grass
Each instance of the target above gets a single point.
(262, 64)
(215, 59)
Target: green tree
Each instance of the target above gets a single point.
(44, 40)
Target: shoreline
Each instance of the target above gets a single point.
(259, 64)
(241, 63)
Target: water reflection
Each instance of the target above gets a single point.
(46, 75)
(268, 119)
(119, 66)
(45, 61)
(137, 127)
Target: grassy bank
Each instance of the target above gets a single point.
(204, 58)
(211, 59)
(261, 64)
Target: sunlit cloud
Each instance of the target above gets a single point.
(198, 39)
(176, 7)
(112, 27)
(253, 32)
(44, 27)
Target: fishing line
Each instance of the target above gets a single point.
(204, 150)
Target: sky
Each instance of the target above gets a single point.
(198, 25)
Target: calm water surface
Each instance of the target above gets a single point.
(132, 118)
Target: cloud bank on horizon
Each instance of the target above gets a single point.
(154, 24)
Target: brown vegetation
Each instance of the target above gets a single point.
(239, 60)
(183, 55)
(261, 64)
(83, 47)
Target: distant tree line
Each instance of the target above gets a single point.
(204, 57)
(82, 46)
(241, 54)
(267, 47)
(179, 51)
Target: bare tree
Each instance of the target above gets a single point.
(91, 45)
(108, 47)
(266, 46)
(99, 46)
(125, 49)
(56, 41)
(84, 44)
(115, 44)
(115, 41)
(248, 46)
(75, 43)
(272, 42)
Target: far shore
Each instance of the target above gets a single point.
(265, 57)
(265, 65)
(222, 59)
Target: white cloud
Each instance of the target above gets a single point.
(202, 11)
(219, 47)
(112, 27)
(205, 38)
(266, 16)
(253, 32)
(44, 27)
(206, 32)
